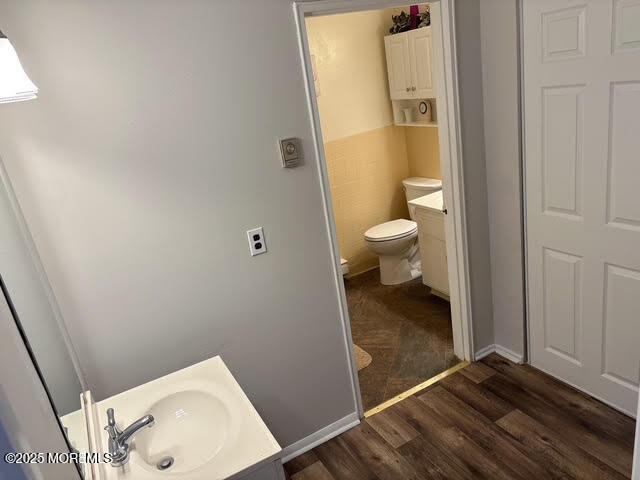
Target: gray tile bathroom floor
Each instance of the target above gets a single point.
(405, 329)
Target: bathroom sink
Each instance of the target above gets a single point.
(190, 429)
(205, 428)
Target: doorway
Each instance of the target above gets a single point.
(401, 328)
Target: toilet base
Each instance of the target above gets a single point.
(395, 270)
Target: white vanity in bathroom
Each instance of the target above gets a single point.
(204, 428)
(431, 237)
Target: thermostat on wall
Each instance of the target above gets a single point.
(291, 152)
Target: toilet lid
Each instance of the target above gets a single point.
(391, 230)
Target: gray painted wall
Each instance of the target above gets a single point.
(499, 24)
(150, 151)
(473, 151)
(140, 169)
(20, 274)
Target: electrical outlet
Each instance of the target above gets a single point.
(257, 244)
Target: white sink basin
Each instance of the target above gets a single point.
(205, 427)
(183, 421)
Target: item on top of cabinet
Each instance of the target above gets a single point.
(408, 115)
(425, 19)
(405, 22)
(401, 23)
(414, 12)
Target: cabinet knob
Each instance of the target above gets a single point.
(408, 89)
(413, 89)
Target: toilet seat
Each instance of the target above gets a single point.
(393, 230)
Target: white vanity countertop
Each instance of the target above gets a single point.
(202, 418)
(433, 201)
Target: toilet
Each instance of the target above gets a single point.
(396, 242)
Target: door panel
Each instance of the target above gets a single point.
(582, 166)
(563, 34)
(626, 25)
(623, 208)
(562, 121)
(621, 303)
(562, 304)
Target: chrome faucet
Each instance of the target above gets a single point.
(119, 439)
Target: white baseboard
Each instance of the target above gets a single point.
(321, 436)
(509, 354)
(483, 352)
(500, 350)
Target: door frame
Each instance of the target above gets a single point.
(523, 182)
(451, 162)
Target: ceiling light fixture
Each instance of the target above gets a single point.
(15, 85)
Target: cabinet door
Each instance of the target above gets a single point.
(434, 263)
(397, 50)
(421, 55)
(433, 250)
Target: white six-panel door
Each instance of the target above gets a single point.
(582, 172)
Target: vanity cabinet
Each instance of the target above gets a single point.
(409, 64)
(433, 251)
(270, 471)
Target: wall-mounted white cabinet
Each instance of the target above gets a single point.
(409, 64)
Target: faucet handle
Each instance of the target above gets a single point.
(111, 427)
(111, 417)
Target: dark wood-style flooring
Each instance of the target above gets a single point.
(405, 329)
(493, 420)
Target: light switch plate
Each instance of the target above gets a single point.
(257, 244)
(290, 152)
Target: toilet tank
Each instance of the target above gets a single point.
(416, 187)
